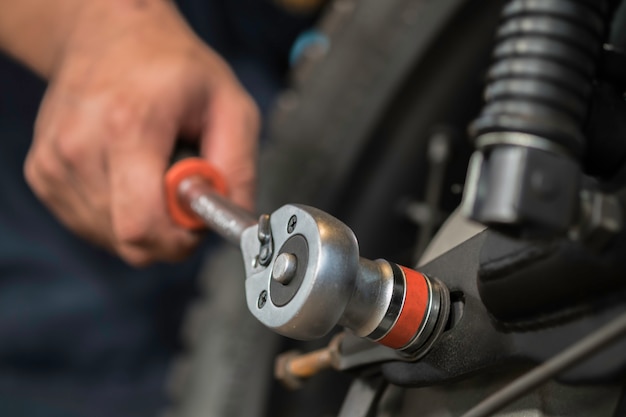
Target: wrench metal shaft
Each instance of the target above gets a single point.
(219, 214)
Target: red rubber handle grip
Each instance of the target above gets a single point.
(178, 208)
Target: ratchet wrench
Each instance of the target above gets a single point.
(304, 274)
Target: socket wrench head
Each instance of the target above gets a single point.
(326, 259)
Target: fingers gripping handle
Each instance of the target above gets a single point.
(195, 193)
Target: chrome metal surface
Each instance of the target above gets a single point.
(284, 267)
(393, 306)
(525, 140)
(316, 280)
(328, 282)
(265, 238)
(367, 308)
(220, 214)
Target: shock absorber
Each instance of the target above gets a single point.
(524, 176)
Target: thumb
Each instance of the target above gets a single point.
(141, 224)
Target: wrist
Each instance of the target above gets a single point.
(102, 24)
(39, 33)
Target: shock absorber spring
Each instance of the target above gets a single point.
(540, 80)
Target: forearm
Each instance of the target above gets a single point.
(34, 31)
(37, 32)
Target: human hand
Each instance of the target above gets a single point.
(131, 78)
